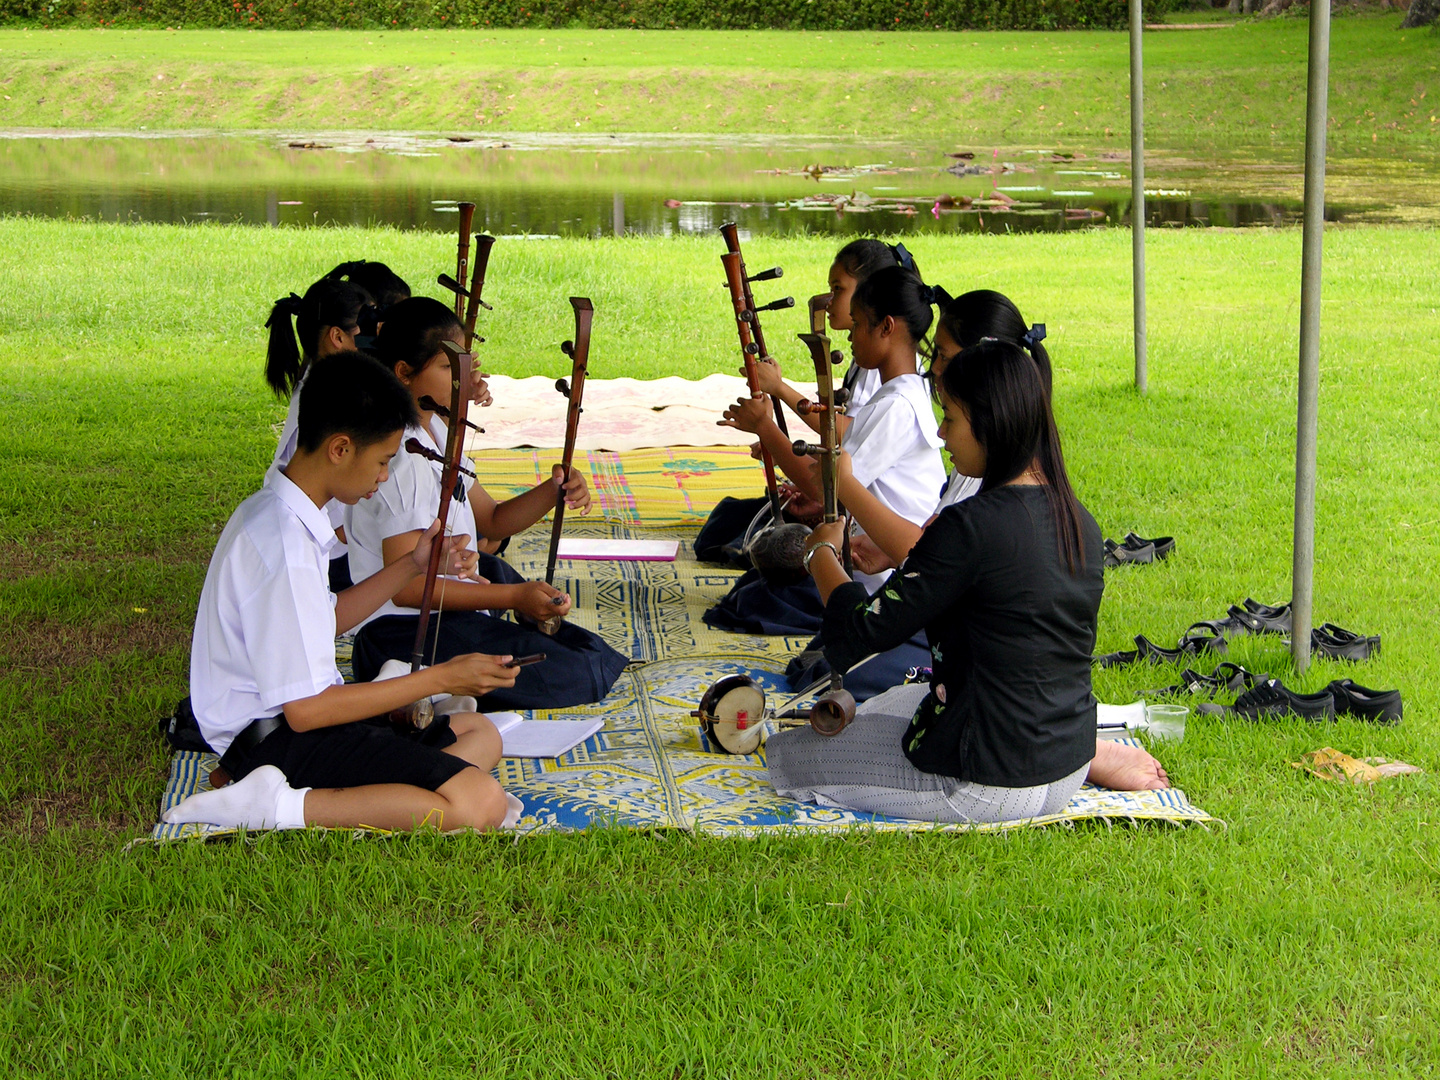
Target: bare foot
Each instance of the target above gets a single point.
(1125, 768)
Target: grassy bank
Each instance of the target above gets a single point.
(1302, 940)
(1241, 84)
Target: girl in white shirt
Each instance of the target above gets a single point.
(891, 439)
(385, 528)
(853, 263)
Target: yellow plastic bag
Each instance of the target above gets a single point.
(1330, 764)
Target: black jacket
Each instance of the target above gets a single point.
(1011, 636)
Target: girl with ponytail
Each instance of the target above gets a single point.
(1007, 585)
(853, 263)
(325, 320)
(964, 321)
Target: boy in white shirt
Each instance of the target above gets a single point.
(304, 747)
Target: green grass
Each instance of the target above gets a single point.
(1300, 941)
(1244, 84)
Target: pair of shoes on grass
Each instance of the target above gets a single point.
(1336, 643)
(1343, 697)
(1227, 676)
(1145, 649)
(1207, 636)
(1252, 617)
(1137, 550)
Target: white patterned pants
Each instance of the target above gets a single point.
(864, 768)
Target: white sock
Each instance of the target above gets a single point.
(451, 704)
(513, 809)
(290, 807)
(263, 800)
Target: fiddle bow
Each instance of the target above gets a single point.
(574, 390)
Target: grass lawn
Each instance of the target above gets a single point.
(1242, 84)
(1302, 940)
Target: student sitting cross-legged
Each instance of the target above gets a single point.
(579, 667)
(303, 747)
(1007, 584)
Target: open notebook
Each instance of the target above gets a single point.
(542, 738)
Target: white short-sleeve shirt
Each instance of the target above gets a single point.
(895, 453)
(265, 628)
(958, 488)
(863, 383)
(407, 501)
(894, 449)
(285, 450)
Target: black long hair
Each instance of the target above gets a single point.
(382, 283)
(348, 392)
(326, 303)
(413, 332)
(1000, 387)
(861, 258)
(899, 293)
(984, 313)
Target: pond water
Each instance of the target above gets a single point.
(598, 185)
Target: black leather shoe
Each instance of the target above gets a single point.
(1145, 649)
(1376, 706)
(1163, 545)
(1118, 554)
(1270, 699)
(1190, 645)
(1276, 617)
(1226, 676)
(1337, 643)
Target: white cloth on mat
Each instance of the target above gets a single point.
(864, 768)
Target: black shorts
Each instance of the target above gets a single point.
(354, 755)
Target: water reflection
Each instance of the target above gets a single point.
(599, 186)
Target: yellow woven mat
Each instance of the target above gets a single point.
(653, 488)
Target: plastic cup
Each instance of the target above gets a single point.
(1166, 723)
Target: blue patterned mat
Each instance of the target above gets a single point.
(650, 767)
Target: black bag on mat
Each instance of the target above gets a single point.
(182, 730)
(755, 606)
(720, 538)
(870, 679)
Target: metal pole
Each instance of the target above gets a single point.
(1307, 422)
(1137, 185)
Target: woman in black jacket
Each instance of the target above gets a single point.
(1007, 586)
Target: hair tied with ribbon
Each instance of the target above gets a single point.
(287, 307)
(927, 294)
(904, 258)
(1033, 336)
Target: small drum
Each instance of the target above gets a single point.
(732, 714)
